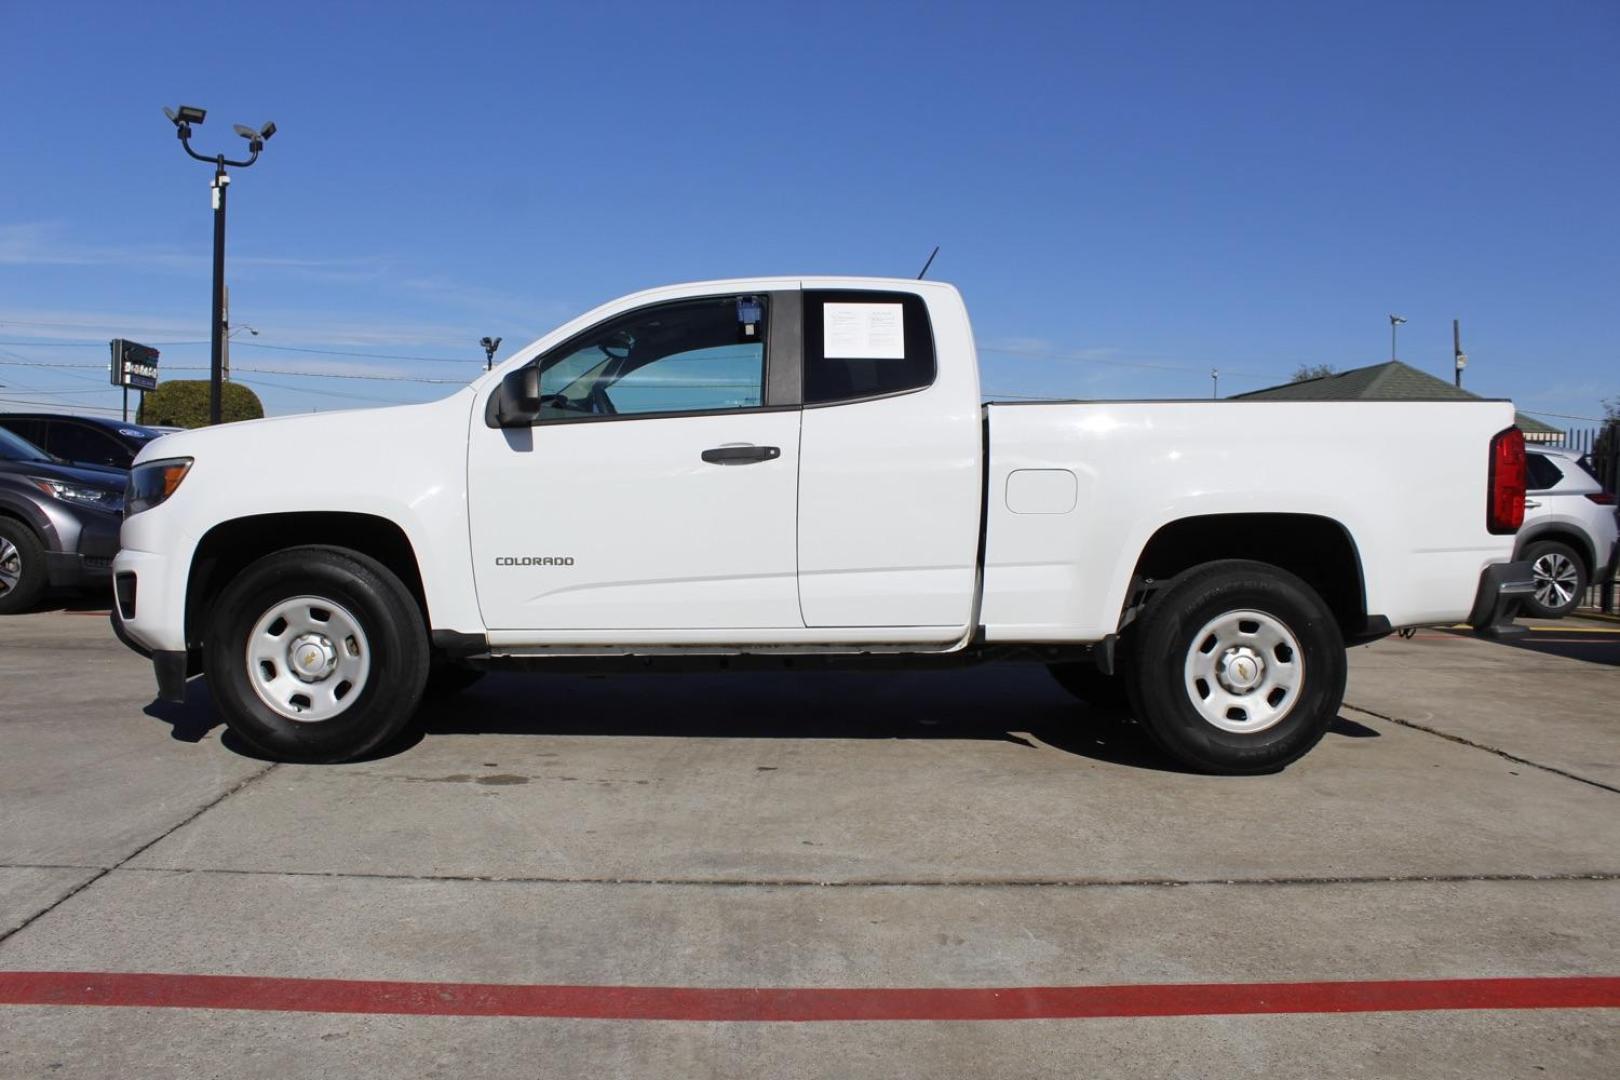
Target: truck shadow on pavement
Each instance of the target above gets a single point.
(1005, 703)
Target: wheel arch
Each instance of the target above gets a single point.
(22, 510)
(1319, 550)
(1570, 535)
(230, 546)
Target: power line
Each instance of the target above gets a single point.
(322, 391)
(89, 344)
(335, 375)
(363, 355)
(96, 408)
(1069, 357)
(247, 370)
(1567, 416)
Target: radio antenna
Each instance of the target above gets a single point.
(924, 272)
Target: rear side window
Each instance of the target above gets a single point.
(1544, 473)
(84, 444)
(864, 345)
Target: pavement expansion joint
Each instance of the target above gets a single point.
(1449, 737)
(104, 871)
(896, 883)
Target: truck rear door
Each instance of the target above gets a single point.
(890, 460)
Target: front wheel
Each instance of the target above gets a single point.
(22, 567)
(316, 654)
(1240, 668)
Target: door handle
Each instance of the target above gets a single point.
(741, 455)
(1531, 504)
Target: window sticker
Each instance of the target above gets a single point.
(863, 331)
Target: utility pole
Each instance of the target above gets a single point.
(182, 119)
(1459, 359)
(1394, 322)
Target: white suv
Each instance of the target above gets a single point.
(1569, 530)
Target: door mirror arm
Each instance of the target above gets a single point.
(516, 402)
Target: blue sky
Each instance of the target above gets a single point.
(1128, 194)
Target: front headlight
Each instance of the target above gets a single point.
(110, 501)
(152, 482)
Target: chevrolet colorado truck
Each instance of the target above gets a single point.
(802, 472)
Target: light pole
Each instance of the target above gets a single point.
(182, 119)
(1394, 322)
(1214, 383)
(490, 345)
(231, 330)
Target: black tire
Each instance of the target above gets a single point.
(1557, 567)
(374, 709)
(1087, 682)
(446, 678)
(1164, 701)
(23, 574)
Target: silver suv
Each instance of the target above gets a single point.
(1569, 530)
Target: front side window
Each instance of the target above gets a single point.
(16, 448)
(703, 355)
(865, 345)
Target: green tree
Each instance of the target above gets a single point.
(1307, 372)
(184, 403)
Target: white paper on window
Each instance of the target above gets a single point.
(863, 331)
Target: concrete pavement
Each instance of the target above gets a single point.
(959, 829)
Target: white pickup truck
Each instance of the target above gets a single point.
(802, 471)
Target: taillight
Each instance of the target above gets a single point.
(1602, 498)
(1504, 506)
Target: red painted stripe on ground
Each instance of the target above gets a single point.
(147, 990)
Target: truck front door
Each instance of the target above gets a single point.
(658, 490)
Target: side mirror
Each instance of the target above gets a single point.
(517, 402)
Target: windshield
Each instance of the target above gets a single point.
(14, 449)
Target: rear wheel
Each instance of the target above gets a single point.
(23, 575)
(1240, 668)
(317, 654)
(1560, 578)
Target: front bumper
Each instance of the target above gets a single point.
(1501, 587)
(75, 570)
(149, 616)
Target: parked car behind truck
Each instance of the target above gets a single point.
(787, 470)
(93, 442)
(1569, 531)
(58, 524)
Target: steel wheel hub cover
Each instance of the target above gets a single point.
(312, 657)
(308, 658)
(1240, 669)
(1244, 671)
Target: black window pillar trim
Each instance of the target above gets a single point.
(784, 349)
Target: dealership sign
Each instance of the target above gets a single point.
(134, 366)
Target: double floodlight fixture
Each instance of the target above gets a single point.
(187, 115)
(256, 139)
